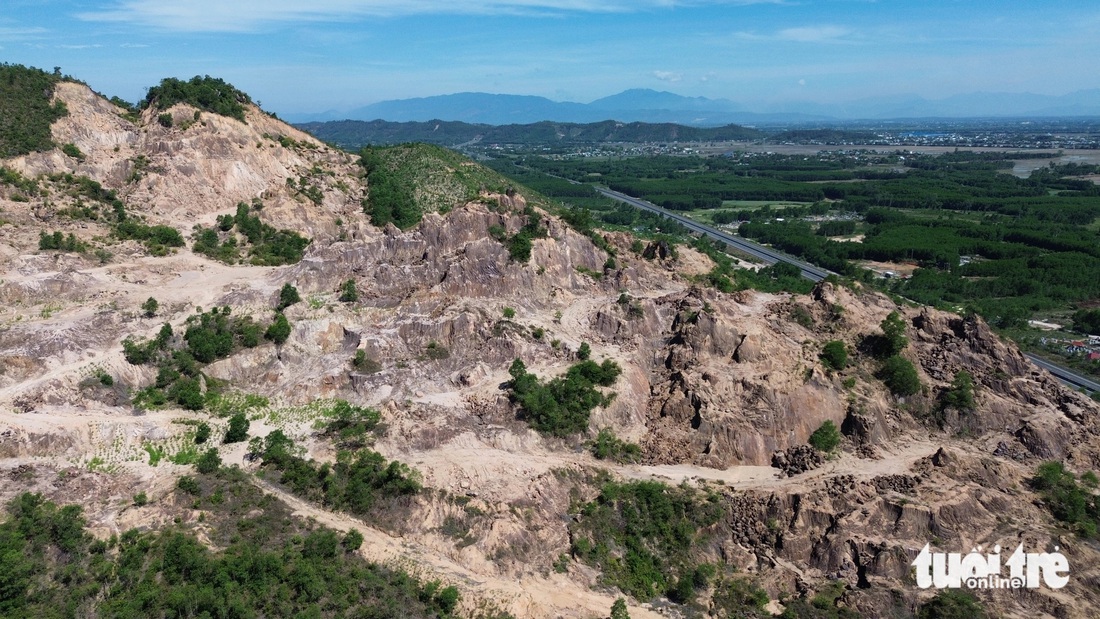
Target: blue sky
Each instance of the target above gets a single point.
(314, 55)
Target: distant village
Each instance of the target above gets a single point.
(1089, 347)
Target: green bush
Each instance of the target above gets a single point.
(269, 564)
(209, 462)
(835, 355)
(243, 231)
(357, 483)
(826, 437)
(365, 364)
(893, 339)
(141, 499)
(57, 241)
(288, 295)
(279, 330)
(202, 433)
(961, 393)
(952, 604)
(1069, 502)
(436, 351)
(72, 151)
(150, 307)
(238, 429)
(165, 120)
(348, 292)
(509, 313)
(900, 376)
(562, 406)
(607, 446)
(352, 541)
(189, 485)
(584, 351)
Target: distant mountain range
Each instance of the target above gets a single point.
(356, 133)
(651, 106)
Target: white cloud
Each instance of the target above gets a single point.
(250, 15)
(806, 34)
(8, 33)
(80, 46)
(667, 76)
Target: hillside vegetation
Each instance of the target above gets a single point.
(25, 109)
(207, 93)
(409, 180)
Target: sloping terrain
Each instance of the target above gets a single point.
(714, 387)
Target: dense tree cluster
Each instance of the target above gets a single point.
(26, 112)
(206, 93)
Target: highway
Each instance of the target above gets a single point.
(811, 272)
(761, 252)
(1070, 378)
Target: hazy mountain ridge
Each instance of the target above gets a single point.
(646, 105)
(356, 133)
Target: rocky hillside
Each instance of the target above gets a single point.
(720, 392)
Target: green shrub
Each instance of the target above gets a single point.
(165, 120)
(58, 241)
(356, 483)
(365, 364)
(900, 376)
(893, 339)
(348, 292)
(72, 151)
(279, 330)
(288, 295)
(826, 437)
(835, 355)
(561, 406)
(961, 393)
(209, 462)
(352, 541)
(436, 351)
(1068, 501)
(952, 604)
(643, 535)
(141, 499)
(509, 313)
(150, 307)
(189, 485)
(202, 433)
(584, 351)
(607, 446)
(263, 244)
(238, 429)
